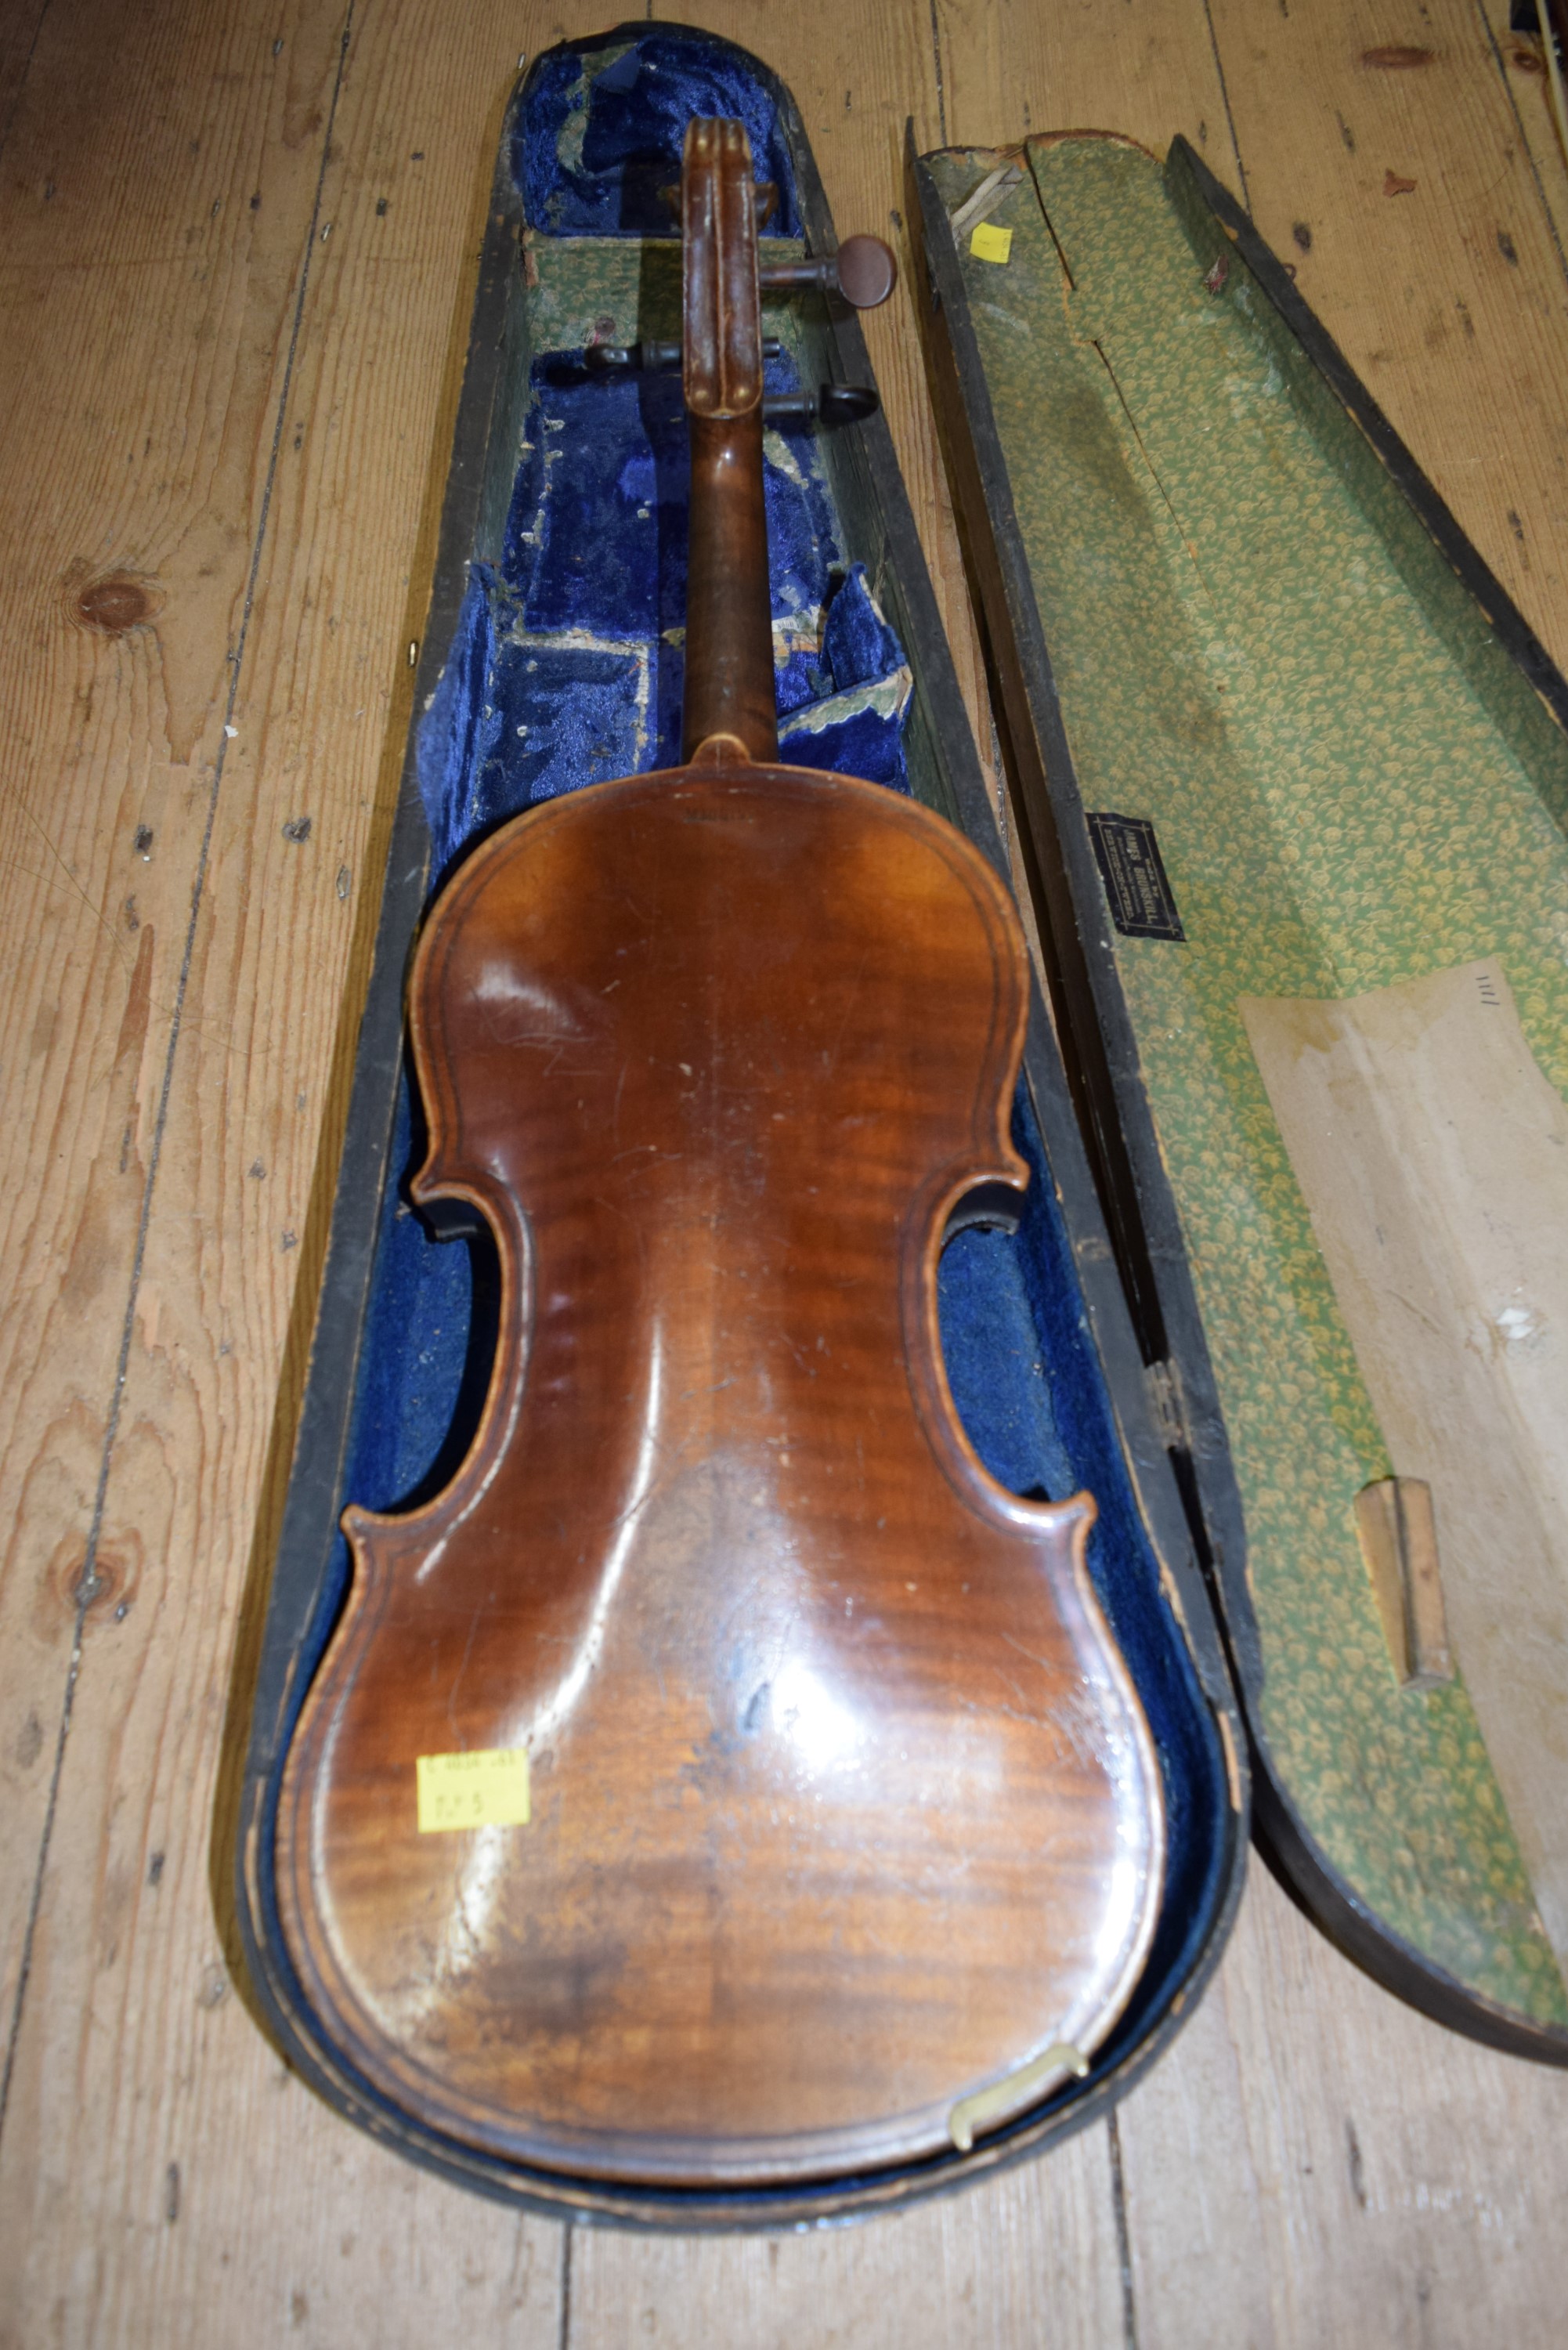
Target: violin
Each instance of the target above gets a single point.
(724, 1780)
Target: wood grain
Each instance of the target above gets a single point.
(1031, 2260)
(131, 2001)
(1316, 2163)
(1426, 289)
(156, 220)
(1145, 69)
(139, 382)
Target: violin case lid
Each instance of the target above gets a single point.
(551, 659)
(1292, 777)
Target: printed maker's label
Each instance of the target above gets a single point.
(1128, 857)
(487, 1789)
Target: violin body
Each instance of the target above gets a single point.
(829, 1829)
(842, 1805)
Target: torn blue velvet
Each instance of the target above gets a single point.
(565, 670)
(601, 139)
(568, 661)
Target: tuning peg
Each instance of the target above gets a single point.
(863, 271)
(630, 358)
(835, 403)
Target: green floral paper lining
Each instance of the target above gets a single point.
(1257, 647)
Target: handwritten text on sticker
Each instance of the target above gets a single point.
(488, 1789)
(991, 243)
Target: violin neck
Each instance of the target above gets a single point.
(729, 681)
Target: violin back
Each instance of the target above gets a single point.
(842, 1812)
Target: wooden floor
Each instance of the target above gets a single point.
(237, 246)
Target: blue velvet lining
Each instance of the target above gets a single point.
(600, 138)
(567, 663)
(1121, 1563)
(565, 669)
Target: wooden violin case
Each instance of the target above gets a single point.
(551, 662)
(1294, 780)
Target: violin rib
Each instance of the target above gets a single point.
(842, 1808)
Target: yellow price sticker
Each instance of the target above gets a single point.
(991, 243)
(488, 1789)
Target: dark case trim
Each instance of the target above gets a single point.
(1099, 1044)
(321, 1438)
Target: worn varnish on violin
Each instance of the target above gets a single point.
(844, 1831)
